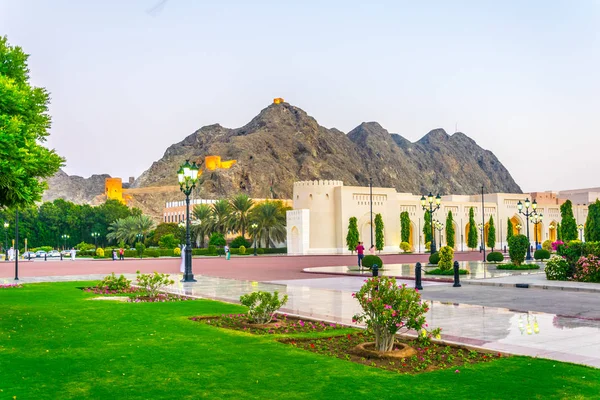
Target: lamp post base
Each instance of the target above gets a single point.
(188, 278)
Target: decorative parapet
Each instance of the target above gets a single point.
(318, 183)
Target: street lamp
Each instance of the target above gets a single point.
(580, 227)
(6, 225)
(480, 226)
(65, 237)
(187, 177)
(518, 228)
(139, 237)
(439, 227)
(535, 220)
(95, 236)
(432, 209)
(551, 227)
(527, 214)
(254, 226)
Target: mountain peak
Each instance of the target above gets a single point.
(435, 136)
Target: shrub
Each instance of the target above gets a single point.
(388, 309)
(220, 251)
(151, 253)
(262, 305)
(239, 241)
(45, 248)
(438, 271)
(405, 247)
(371, 260)
(140, 247)
(111, 282)
(587, 269)
(130, 254)
(212, 249)
(434, 258)
(556, 245)
(168, 241)
(99, 252)
(153, 283)
(85, 246)
(446, 256)
(547, 245)
(557, 269)
(495, 256)
(517, 248)
(217, 239)
(541, 254)
(177, 251)
(518, 267)
(260, 251)
(242, 250)
(427, 246)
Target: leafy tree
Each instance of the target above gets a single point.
(238, 242)
(592, 223)
(240, 211)
(166, 228)
(270, 216)
(127, 229)
(168, 241)
(491, 237)
(24, 124)
(201, 225)
(568, 223)
(559, 235)
(427, 227)
(379, 239)
(509, 229)
(472, 234)
(450, 230)
(404, 227)
(217, 239)
(352, 236)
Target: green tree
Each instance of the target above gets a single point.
(559, 235)
(568, 223)
(592, 223)
(509, 229)
(427, 227)
(450, 241)
(404, 227)
(200, 226)
(379, 239)
(472, 234)
(168, 241)
(491, 236)
(127, 229)
(166, 228)
(24, 124)
(270, 216)
(352, 236)
(221, 216)
(240, 211)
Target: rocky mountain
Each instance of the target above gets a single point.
(283, 144)
(74, 188)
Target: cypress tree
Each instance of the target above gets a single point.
(592, 223)
(352, 236)
(491, 239)
(450, 230)
(404, 227)
(509, 229)
(568, 223)
(379, 240)
(559, 232)
(427, 227)
(472, 234)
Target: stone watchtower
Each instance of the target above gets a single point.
(312, 223)
(113, 189)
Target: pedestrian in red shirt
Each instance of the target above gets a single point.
(360, 250)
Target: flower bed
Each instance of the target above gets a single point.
(518, 267)
(280, 324)
(138, 295)
(10, 285)
(97, 290)
(433, 357)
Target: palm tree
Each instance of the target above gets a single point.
(126, 229)
(221, 214)
(201, 224)
(240, 208)
(270, 216)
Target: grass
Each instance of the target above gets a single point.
(518, 267)
(54, 343)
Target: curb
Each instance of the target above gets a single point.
(533, 286)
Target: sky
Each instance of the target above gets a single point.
(129, 78)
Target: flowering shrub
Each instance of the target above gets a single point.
(405, 247)
(446, 258)
(389, 309)
(262, 305)
(10, 285)
(112, 283)
(153, 283)
(99, 252)
(547, 245)
(587, 269)
(557, 269)
(177, 251)
(555, 245)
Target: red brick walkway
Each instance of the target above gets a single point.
(261, 268)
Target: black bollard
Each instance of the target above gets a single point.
(456, 275)
(45, 256)
(375, 270)
(61, 256)
(418, 284)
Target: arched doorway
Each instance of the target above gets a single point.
(295, 245)
(365, 234)
(486, 230)
(552, 234)
(535, 234)
(411, 240)
(516, 223)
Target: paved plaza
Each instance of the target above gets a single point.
(556, 320)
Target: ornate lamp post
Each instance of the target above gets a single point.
(518, 228)
(188, 176)
(527, 214)
(65, 237)
(480, 226)
(552, 227)
(535, 220)
(140, 237)
(439, 227)
(580, 227)
(254, 226)
(6, 225)
(432, 209)
(95, 236)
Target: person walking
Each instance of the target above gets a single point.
(114, 255)
(73, 253)
(372, 250)
(121, 254)
(360, 250)
(182, 265)
(227, 252)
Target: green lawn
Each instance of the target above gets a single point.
(56, 344)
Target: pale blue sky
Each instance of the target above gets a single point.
(520, 78)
